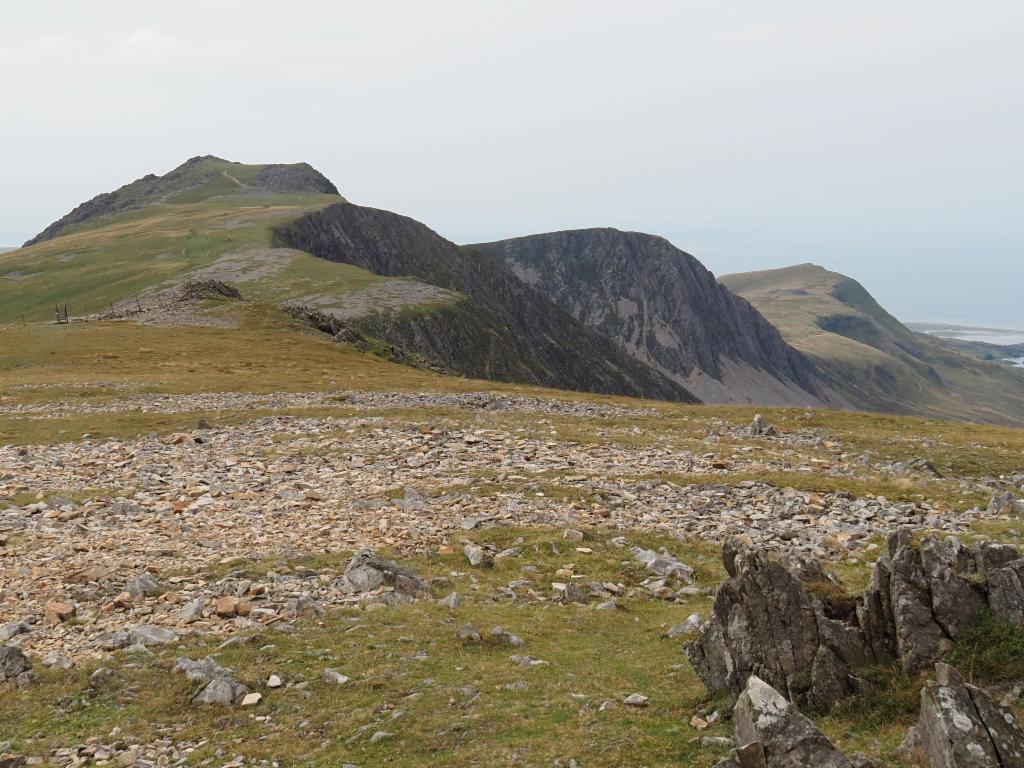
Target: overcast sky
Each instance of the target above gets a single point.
(882, 140)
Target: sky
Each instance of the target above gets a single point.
(881, 140)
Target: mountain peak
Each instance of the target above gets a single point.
(199, 178)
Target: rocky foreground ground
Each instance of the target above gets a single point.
(125, 549)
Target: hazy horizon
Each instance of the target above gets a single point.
(879, 142)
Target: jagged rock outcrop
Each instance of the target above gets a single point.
(771, 733)
(961, 727)
(665, 308)
(920, 599)
(765, 621)
(500, 328)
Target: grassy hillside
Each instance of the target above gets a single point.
(872, 359)
(210, 218)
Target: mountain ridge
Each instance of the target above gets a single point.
(504, 328)
(665, 308)
(598, 310)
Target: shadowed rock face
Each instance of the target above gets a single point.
(766, 623)
(500, 329)
(190, 176)
(663, 307)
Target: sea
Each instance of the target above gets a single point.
(999, 336)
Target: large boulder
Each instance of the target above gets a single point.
(220, 692)
(14, 665)
(771, 733)
(961, 727)
(368, 572)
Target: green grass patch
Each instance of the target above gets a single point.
(990, 651)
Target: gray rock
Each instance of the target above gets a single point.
(220, 692)
(151, 634)
(478, 556)
(664, 564)
(367, 571)
(203, 670)
(1006, 592)
(502, 635)
(961, 727)
(688, 627)
(450, 601)
(12, 630)
(763, 623)
(467, 633)
(13, 663)
(192, 611)
(952, 573)
(308, 608)
(334, 677)
(787, 738)
(144, 586)
(55, 660)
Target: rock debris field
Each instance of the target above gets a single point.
(116, 534)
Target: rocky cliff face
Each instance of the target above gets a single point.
(199, 177)
(664, 308)
(501, 329)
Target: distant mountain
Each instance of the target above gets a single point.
(6, 250)
(872, 359)
(198, 179)
(592, 310)
(663, 307)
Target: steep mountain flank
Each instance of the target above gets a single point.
(501, 328)
(195, 180)
(870, 357)
(664, 308)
